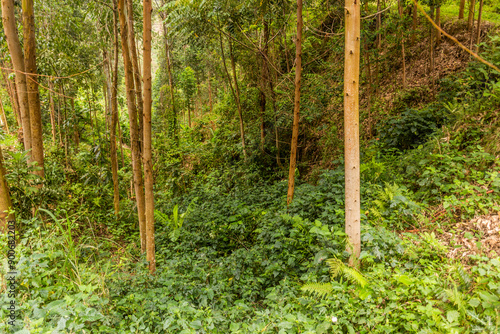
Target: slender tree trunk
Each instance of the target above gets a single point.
(461, 10)
(137, 73)
(171, 83)
(114, 115)
(470, 21)
(52, 113)
(264, 80)
(238, 101)
(438, 22)
(134, 131)
(210, 102)
(5, 201)
(478, 34)
(16, 53)
(415, 22)
(401, 15)
(4, 118)
(120, 137)
(379, 26)
(351, 128)
(76, 133)
(431, 43)
(12, 96)
(148, 161)
(296, 109)
(32, 85)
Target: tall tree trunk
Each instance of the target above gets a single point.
(210, 102)
(4, 118)
(137, 73)
(52, 113)
(5, 201)
(478, 34)
(431, 43)
(238, 101)
(296, 109)
(32, 85)
(16, 53)
(379, 26)
(415, 21)
(262, 88)
(470, 21)
(134, 131)
(114, 115)
(171, 83)
(438, 22)
(351, 128)
(12, 96)
(461, 10)
(403, 56)
(148, 161)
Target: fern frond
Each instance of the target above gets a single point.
(320, 290)
(161, 217)
(337, 268)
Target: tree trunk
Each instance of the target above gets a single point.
(114, 115)
(52, 113)
(16, 53)
(438, 22)
(478, 34)
(431, 44)
(148, 161)
(32, 85)
(134, 131)
(379, 25)
(12, 96)
(4, 118)
(461, 10)
(171, 83)
(210, 102)
(137, 73)
(262, 88)
(238, 101)
(470, 21)
(400, 9)
(5, 201)
(351, 128)
(296, 109)
(415, 21)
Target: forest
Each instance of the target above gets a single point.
(271, 166)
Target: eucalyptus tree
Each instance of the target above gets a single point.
(16, 53)
(5, 200)
(351, 127)
(32, 85)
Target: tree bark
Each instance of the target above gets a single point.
(171, 83)
(351, 128)
(52, 113)
(470, 21)
(134, 131)
(114, 115)
(403, 56)
(431, 43)
(438, 22)
(16, 53)
(137, 73)
(4, 118)
(12, 96)
(415, 21)
(32, 85)
(461, 10)
(478, 34)
(238, 101)
(5, 200)
(148, 161)
(296, 109)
